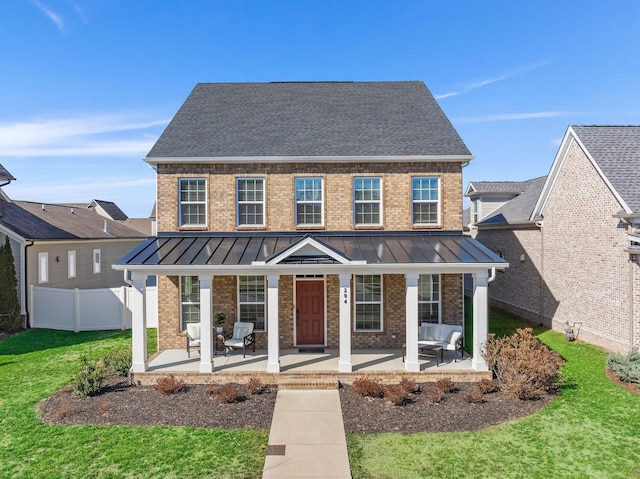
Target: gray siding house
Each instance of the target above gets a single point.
(67, 245)
(572, 239)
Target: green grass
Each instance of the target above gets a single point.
(591, 431)
(36, 363)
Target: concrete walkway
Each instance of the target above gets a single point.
(307, 437)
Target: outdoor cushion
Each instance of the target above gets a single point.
(240, 333)
(193, 330)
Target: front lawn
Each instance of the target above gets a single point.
(36, 363)
(592, 430)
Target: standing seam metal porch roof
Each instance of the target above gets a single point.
(234, 249)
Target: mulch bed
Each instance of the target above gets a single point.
(121, 403)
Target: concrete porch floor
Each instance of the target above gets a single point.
(313, 369)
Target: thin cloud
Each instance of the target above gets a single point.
(95, 135)
(521, 70)
(513, 116)
(53, 16)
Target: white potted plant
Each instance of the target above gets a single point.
(218, 321)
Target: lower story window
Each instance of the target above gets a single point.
(189, 301)
(368, 302)
(251, 301)
(429, 298)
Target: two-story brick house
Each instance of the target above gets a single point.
(326, 213)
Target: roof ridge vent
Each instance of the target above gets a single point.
(42, 207)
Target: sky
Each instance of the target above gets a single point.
(87, 86)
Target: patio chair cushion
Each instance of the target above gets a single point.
(193, 330)
(443, 335)
(240, 333)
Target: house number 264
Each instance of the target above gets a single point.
(344, 295)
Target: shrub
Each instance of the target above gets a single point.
(255, 386)
(434, 395)
(474, 396)
(119, 362)
(446, 385)
(228, 394)
(486, 386)
(368, 387)
(626, 367)
(88, 381)
(397, 394)
(64, 409)
(522, 364)
(169, 385)
(409, 385)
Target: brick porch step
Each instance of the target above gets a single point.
(306, 382)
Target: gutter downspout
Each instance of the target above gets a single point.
(540, 224)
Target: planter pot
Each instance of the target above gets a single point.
(219, 330)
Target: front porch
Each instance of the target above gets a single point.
(317, 369)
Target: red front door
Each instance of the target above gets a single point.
(310, 312)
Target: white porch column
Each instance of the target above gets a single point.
(138, 306)
(480, 319)
(206, 325)
(411, 323)
(344, 365)
(273, 321)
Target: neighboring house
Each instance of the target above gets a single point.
(67, 245)
(326, 213)
(572, 239)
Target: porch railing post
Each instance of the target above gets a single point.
(344, 365)
(480, 319)
(411, 323)
(137, 305)
(206, 324)
(273, 333)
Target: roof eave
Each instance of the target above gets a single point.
(156, 160)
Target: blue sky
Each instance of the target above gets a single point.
(87, 86)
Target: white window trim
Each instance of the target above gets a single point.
(356, 303)
(254, 302)
(263, 202)
(356, 202)
(439, 302)
(97, 265)
(183, 325)
(438, 202)
(181, 223)
(43, 267)
(296, 202)
(71, 264)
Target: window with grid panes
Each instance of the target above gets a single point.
(368, 302)
(250, 207)
(425, 194)
(366, 201)
(429, 298)
(193, 202)
(251, 301)
(309, 201)
(189, 300)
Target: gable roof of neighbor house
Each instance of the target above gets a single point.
(520, 208)
(615, 153)
(5, 176)
(46, 221)
(109, 209)
(616, 150)
(477, 188)
(236, 121)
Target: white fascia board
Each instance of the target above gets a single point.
(12, 234)
(307, 159)
(470, 189)
(91, 241)
(292, 269)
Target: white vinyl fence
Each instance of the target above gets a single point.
(89, 309)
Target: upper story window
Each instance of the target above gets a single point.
(474, 211)
(429, 298)
(71, 264)
(193, 202)
(425, 200)
(250, 207)
(367, 201)
(309, 198)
